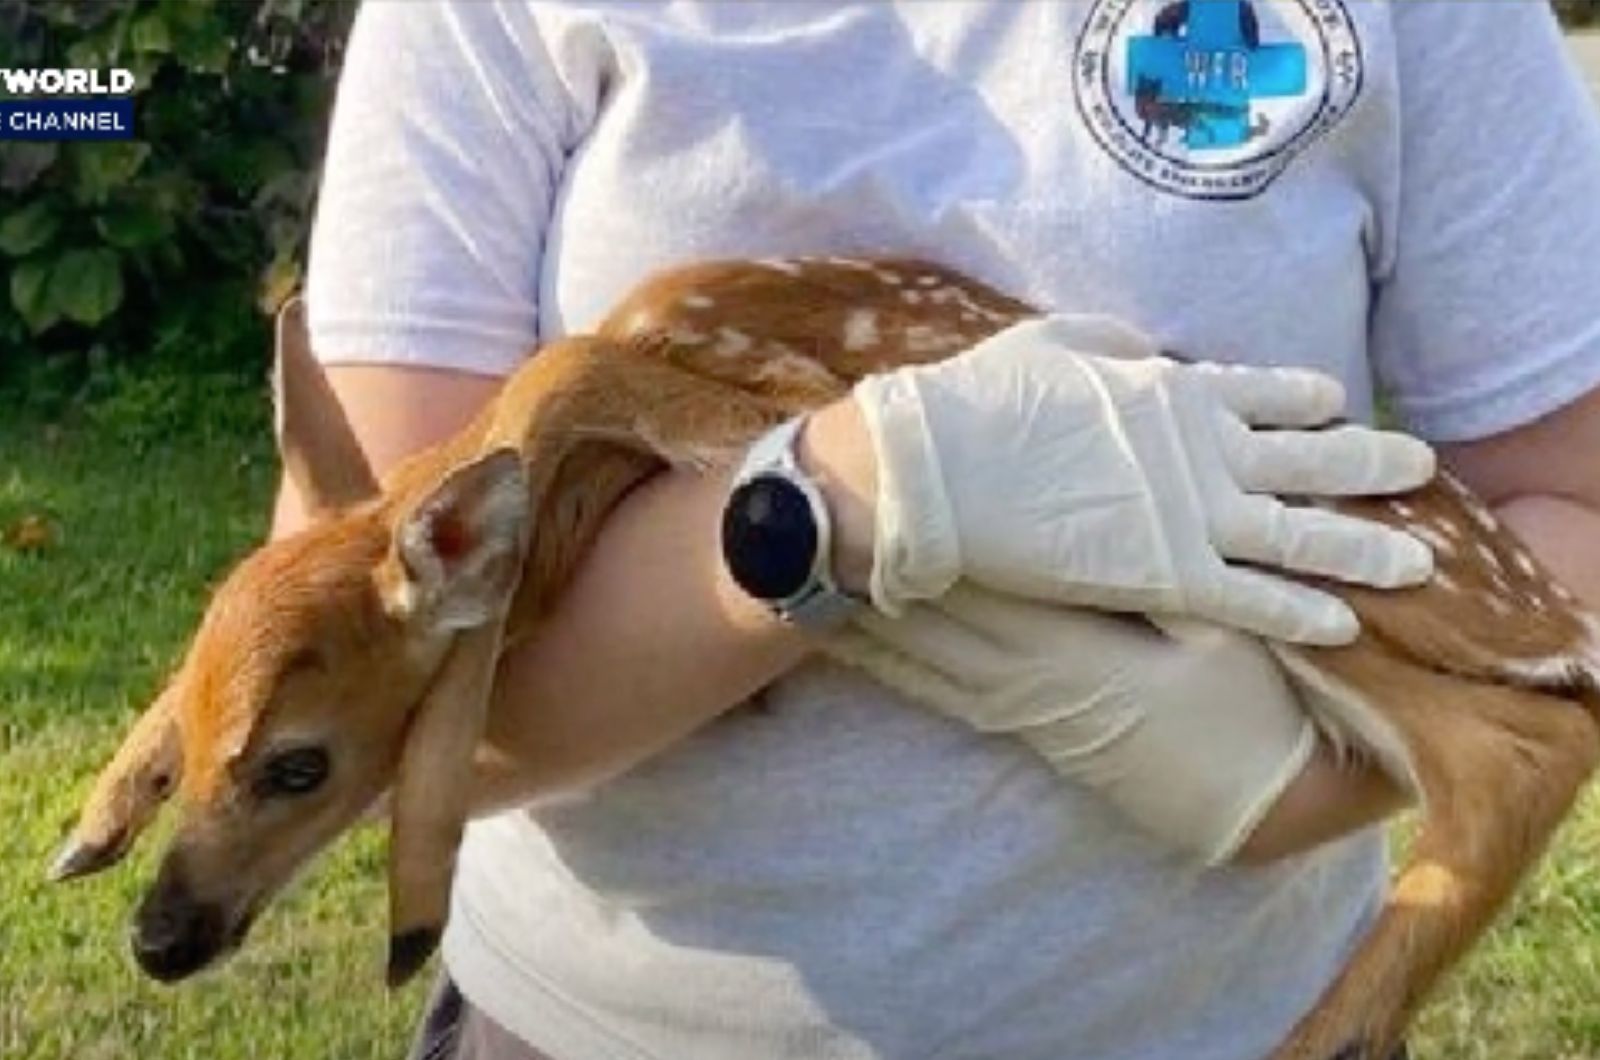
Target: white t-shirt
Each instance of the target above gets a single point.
(1351, 186)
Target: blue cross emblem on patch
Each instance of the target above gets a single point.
(1215, 99)
(1200, 68)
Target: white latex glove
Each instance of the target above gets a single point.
(1193, 733)
(1130, 482)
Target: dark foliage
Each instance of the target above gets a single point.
(167, 247)
(1578, 12)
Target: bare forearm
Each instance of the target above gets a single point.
(1543, 481)
(1330, 798)
(1565, 535)
(651, 641)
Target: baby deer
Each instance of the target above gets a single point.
(354, 659)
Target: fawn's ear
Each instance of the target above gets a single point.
(126, 794)
(315, 442)
(453, 568)
(432, 797)
(456, 557)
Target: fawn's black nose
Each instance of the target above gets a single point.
(174, 935)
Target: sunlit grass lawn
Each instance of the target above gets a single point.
(149, 511)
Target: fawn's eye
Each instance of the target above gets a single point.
(298, 771)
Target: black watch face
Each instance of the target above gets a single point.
(769, 537)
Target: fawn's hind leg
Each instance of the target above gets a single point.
(1499, 768)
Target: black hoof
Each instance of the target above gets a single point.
(409, 951)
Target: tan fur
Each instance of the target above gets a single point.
(1484, 680)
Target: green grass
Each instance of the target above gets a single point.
(151, 504)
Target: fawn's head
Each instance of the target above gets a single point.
(315, 686)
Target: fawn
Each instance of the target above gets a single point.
(1476, 693)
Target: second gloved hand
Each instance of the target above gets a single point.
(1192, 732)
(1034, 465)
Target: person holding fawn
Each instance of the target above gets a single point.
(1303, 190)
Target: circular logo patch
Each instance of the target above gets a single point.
(1212, 99)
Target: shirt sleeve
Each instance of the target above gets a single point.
(450, 131)
(1486, 315)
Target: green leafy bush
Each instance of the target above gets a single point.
(167, 246)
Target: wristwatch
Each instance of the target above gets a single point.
(777, 536)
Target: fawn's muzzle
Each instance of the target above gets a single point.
(176, 935)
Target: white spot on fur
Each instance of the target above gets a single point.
(1480, 514)
(1443, 580)
(791, 368)
(860, 330)
(929, 281)
(1402, 509)
(783, 265)
(1428, 534)
(893, 279)
(688, 337)
(1552, 670)
(1525, 563)
(1561, 668)
(911, 297)
(698, 301)
(921, 338)
(732, 343)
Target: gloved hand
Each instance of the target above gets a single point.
(1193, 732)
(1129, 482)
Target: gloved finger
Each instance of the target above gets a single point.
(1264, 530)
(1273, 607)
(1275, 397)
(1103, 336)
(960, 653)
(1020, 624)
(1187, 630)
(888, 665)
(1340, 462)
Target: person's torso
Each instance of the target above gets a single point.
(841, 873)
(1237, 210)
